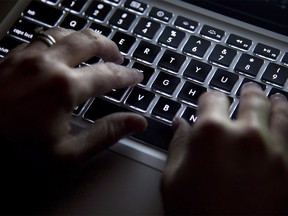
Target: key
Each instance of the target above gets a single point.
(43, 13)
(146, 52)
(140, 98)
(23, 29)
(263, 87)
(249, 65)
(122, 19)
(160, 15)
(275, 74)
(171, 37)
(147, 72)
(239, 42)
(115, 2)
(285, 59)
(266, 51)
(224, 80)
(77, 109)
(116, 94)
(186, 24)
(197, 70)
(196, 46)
(212, 33)
(100, 29)
(166, 109)
(98, 10)
(146, 28)
(166, 83)
(171, 61)
(222, 55)
(191, 92)
(7, 44)
(136, 6)
(124, 41)
(73, 22)
(75, 5)
(190, 115)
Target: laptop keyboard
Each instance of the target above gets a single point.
(180, 58)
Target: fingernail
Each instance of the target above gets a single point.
(278, 97)
(138, 73)
(251, 84)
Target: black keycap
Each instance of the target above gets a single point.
(190, 115)
(124, 41)
(166, 83)
(166, 109)
(171, 37)
(239, 42)
(196, 46)
(285, 59)
(224, 80)
(7, 44)
(116, 94)
(171, 61)
(114, 1)
(146, 52)
(98, 10)
(100, 29)
(75, 5)
(159, 14)
(197, 70)
(266, 51)
(43, 13)
(249, 65)
(77, 109)
(23, 29)
(140, 98)
(245, 80)
(275, 91)
(191, 92)
(275, 74)
(212, 33)
(122, 19)
(186, 24)
(222, 55)
(146, 28)
(74, 22)
(134, 5)
(146, 70)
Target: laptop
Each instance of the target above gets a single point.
(184, 48)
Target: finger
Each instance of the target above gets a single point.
(82, 45)
(254, 107)
(57, 33)
(102, 78)
(101, 135)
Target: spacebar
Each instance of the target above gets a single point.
(157, 133)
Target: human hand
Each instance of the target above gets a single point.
(223, 167)
(40, 85)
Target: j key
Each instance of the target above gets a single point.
(186, 24)
(166, 83)
(171, 61)
(191, 92)
(224, 80)
(147, 72)
(73, 22)
(146, 52)
(160, 14)
(146, 28)
(275, 91)
(98, 10)
(101, 29)
(171, 37)
(7, 44)
(140, 98)
(285, 59)
(166, 109)
(275, 74)
(75, 5)
(266, 51)
(197, 70)
(196, 46)
(116, 94)
(212, 33)
(23, 29)
(249, 65)
(222, 55)
(239, 42)
(124, 41)
(122, 19)
(38, 11)
(135, 6)
(190, 115)
(263, 87)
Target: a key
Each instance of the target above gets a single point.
(159, 14)
(275, 74)
(191, 92)
(122, 19)
(146, 70)
(222, 55)
(100, 29)
(266, 51)
(71, 21)
(224, 80)
(166, 109)
(249, 65)
(7, 44)
(166, 83)
(171, 61)
(245, 80)
(98, 10)
(197, 70)
(239, 42)
(186, 24)
(190, 115)
(146, 52)
(146, 28)
(140, 98)
(124, 41)
(196, 46)
(212, 33)
(75, 5)
(171, 37)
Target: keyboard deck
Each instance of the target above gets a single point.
(181, 58)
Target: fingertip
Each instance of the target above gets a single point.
(135, 123)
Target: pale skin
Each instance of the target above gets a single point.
(218, 166)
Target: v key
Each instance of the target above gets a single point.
(140, 98)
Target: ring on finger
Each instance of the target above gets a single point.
(39, 34)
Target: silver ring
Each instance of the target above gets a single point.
(39, 34)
